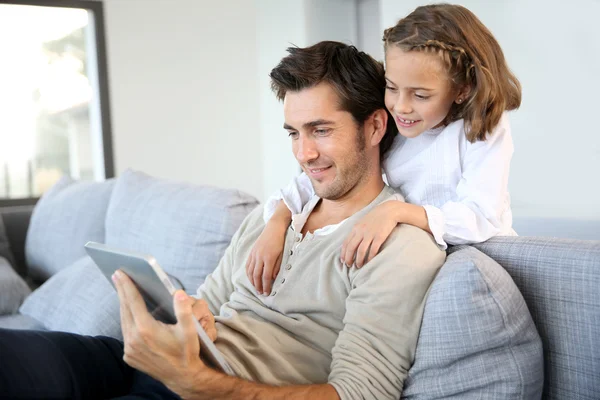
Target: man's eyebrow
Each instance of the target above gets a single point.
(310, 124)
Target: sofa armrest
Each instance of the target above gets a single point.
(16, 222)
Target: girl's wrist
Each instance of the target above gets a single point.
(398, 210)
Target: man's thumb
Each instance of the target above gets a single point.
(182, 303)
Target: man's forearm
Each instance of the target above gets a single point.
(210, 384)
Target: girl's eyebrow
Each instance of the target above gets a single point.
(420, 88)
(410, 88)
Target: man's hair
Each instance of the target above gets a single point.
(472, 57)
(357, 78)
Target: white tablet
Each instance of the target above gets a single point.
(155, 287)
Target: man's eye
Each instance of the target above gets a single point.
(322, 132)
(292, 134)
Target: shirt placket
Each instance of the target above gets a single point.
(292, 256)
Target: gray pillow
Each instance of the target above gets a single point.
(19, 321)
(185, 227)
(78, 299)
(13, 289)
(64, 219)
(477, 340)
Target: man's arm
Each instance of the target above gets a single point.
(376, 348)
(169, 353)
(209, 384)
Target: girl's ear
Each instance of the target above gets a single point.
(377, 127)
(463, 94)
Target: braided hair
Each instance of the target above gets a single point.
(473, 59)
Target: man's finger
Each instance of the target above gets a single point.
(182, 303)
(133, 299)
(200, 309)
(127, 322)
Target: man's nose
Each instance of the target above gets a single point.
(306, 149)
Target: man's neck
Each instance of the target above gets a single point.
(331, 212)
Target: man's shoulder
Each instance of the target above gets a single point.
(408, 245)
(404, 234)
(250, 227)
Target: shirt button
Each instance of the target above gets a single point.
(283, 280)
(291, 252)
(274, 293)
(288, 267)
(298, 238)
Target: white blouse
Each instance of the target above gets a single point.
(463, 186)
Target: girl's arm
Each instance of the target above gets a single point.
(474, 217)
(264, 261)
(295, 196)
(481, 194)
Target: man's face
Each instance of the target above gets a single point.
(327, 142)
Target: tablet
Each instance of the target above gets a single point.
(156, 289)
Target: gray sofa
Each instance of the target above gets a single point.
(506, 319)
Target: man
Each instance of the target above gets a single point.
(327, 331)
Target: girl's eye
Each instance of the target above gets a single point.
(421, 97)
(391, 89)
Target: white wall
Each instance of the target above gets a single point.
(281, 24)
(184, 90)
(276, 32)
(554, 49)
(189, 86)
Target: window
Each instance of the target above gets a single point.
(54, 116)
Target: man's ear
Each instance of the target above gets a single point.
(377, 126)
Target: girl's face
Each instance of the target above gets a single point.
(418, 91)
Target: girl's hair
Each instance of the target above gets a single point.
(473, 57)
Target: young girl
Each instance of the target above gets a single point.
(448, 90)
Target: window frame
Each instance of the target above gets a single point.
(97, 8)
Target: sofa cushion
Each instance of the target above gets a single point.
(5, 250)
(64, 219)
(78, 299)
(477, 338)
(185, 227)
(560, 280)
(13, 288)
(20, 321)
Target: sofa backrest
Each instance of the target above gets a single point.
(67, 216)
(560, 281)
(185, 227)
(16, 222)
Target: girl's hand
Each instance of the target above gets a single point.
(265, 258)
(371, 232)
